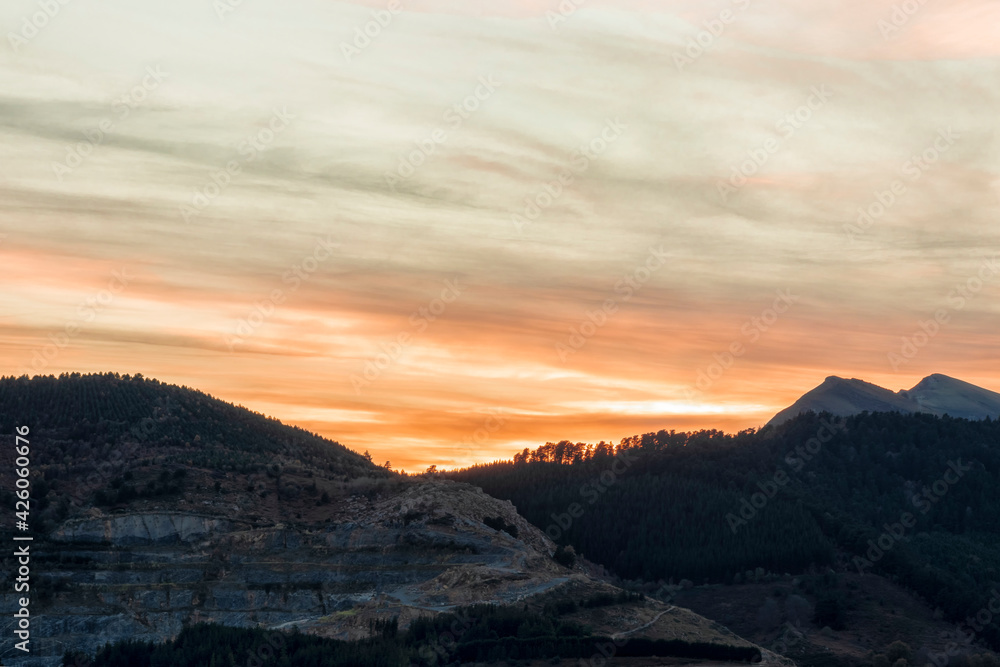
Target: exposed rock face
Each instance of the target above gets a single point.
(143, 575)
(153, 528)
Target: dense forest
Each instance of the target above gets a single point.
(88, 414)
(471, 634)
(105, 440)
(914, 497)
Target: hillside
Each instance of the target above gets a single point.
(779, 612)
(156, 509)
(815, 494)
(110, 440)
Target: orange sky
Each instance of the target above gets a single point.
(273, 247)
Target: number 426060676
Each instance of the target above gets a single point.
(22, 470)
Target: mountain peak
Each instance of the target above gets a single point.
(941, 394)
(937, 394)
(835, 380)
(936, 378)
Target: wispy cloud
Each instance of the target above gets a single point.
(657, 183)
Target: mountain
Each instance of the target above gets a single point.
(936, 394)
(156, 508)
(836, 535)
(940, 394)
(844, 397)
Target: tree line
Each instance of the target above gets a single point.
(711, 506)
(476, 633)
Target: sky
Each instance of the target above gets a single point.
(445, 230)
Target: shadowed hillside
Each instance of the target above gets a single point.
(912, 497)
(156, 509)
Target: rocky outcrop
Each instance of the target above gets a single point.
(147, 528)
(143, 575)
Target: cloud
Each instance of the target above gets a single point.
(356, 120)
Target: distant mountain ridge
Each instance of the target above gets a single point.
(936, 394)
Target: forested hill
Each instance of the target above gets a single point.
(106, 440)
(811, 492)
(107, 409)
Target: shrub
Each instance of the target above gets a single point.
(565, 556)
(899, 650)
